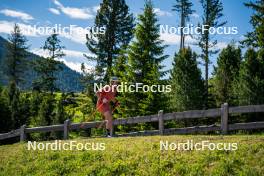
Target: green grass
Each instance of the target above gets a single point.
(139, 156)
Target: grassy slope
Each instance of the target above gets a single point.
(138, 156)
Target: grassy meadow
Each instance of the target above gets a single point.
(138, 156)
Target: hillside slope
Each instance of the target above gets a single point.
(138, 156)
(68, 80)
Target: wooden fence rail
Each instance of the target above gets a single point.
(222, 112)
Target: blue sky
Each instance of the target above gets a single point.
(82, 12)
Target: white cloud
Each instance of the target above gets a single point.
(58, 3)
(220, 45)
(7, 27)
(160, 12)
(72, 59)
(75, 54)
(54, 11)
(76, 13)
(76, 65)
(195, 15)
(77, 34)
(16, 14)
(170, 38)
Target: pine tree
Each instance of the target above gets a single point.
(186, 81)
(46, 111)
(24, 108)
(145, 56)
(225, 74)
(45, 115)
(35, 101)
(212, 12)
(13, 102)
(118, 22)
(60, 116)
(5, 118)
(16, 62)
(250, 85)
(183, 7)
(16, 56)
(47, 67)
(256, 37)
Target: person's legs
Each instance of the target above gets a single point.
(109, 122)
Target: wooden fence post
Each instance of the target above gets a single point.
(224, 118)
(161, 122)
(22, 133)
(66, 129)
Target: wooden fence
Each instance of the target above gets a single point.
(222, 112)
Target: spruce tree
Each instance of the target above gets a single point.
(45, 114)
(251, 78)
(250, 85)
(114, 16)
(60, 116)
(15, 61)
(183, 7)
(225, 75)
(187, 83)
(5, 113)
(13, 102)
(47, 67)
(35, 101)
(256, 37)
(212, 12)
(24, 108)
(145, 56)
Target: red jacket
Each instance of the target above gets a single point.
(108, 92)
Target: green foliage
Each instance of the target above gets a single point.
(186, 81)
(256, 37)
(47, 67)
(250, 85)
(5, 118)
(225, 75)
(24, 108)
(44, 115)
(118, 22)
(13, 102)
(15, 108)
(61, 115)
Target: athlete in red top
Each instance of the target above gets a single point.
(105, 96)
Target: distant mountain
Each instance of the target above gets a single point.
(68, 80)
